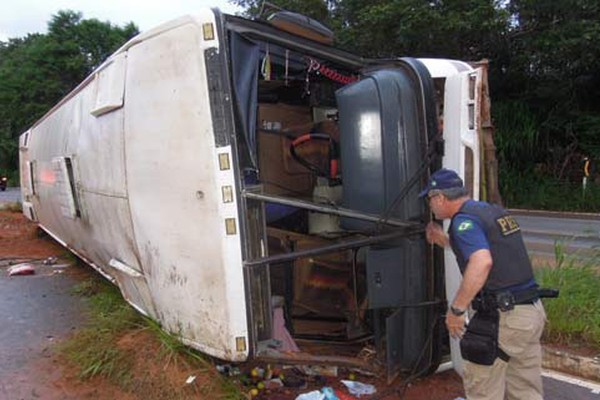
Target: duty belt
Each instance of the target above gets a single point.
(506, 300)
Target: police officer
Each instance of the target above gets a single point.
(501, 343)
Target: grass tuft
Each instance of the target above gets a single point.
(171, 346)
(574, 317)
(12, 207)
(93, 348)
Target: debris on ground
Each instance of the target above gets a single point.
(305, 382)
(21, 269)
(326, 393)
(274, 383)
(228, 370)
(294, 381)
(322, 370)
(314, 395)
(50, 260)
(329, 393)
(358, 389)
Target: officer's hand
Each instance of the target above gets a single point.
(435, 234)
(455, 325)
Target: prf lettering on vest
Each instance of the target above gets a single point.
(508, 225)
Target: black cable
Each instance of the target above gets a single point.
(300, 140)
(414, 373)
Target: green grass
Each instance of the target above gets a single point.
(12, 207)
(171, 346)
(95, 352)
(532, 190)
(172, 350)
(574, 317)
(93, 349)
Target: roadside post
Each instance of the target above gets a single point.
(586, 172)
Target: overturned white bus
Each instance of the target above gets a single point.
(255, 190)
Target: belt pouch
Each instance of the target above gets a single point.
(480, 342)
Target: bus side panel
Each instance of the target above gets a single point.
(101, 229)
(101, 184)
(191, 262)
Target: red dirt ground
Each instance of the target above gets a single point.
(50, 377)
(20, 239)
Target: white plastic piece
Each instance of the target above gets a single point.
(358, 388)
(314, 395)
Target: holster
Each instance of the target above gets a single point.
(480, 342)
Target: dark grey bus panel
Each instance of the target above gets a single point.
(383, 145)
(385, 129)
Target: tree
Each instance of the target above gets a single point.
(554, 68)
(92, 39)
(38, 70)
(316, 9)
(465, 29)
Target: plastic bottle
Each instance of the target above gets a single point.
(329, 393)
(343, 396)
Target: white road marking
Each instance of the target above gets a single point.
(593, 386)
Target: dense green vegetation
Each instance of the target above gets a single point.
(544, 75)
(574, 317)
(38, 70)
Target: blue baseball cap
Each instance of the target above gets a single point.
(442, 179)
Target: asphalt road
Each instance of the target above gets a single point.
(10, 195)
(578, 234)
(36, 311)
(562, 387)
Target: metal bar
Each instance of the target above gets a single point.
(118, 265)
(280, 258)
(343, 212)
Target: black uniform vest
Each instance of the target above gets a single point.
(511, 265)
